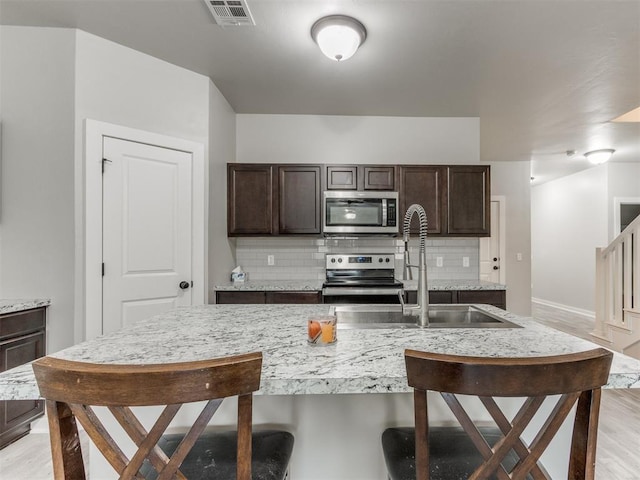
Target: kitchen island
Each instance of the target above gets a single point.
(335, 399)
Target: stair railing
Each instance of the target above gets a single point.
(617, 281)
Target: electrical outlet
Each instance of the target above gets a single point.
(271, 260)
(438, 261)
(465, 261)
(519, 257)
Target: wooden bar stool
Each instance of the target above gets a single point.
(71, 389)
(486, 453)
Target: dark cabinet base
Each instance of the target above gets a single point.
(497, 298)
(251, 297)
(22, 340)
(16, 418)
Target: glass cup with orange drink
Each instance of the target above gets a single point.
(321, 330)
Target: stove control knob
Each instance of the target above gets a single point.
(387, 260)
(339, 260)
(380, 259)
(333, 260)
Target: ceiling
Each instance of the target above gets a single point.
(543, 76)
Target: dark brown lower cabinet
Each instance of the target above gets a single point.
(490, 297)
(294, 297)
(496, 298)
(22, 340)
(268, 297)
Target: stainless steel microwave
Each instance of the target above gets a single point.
(349, 212)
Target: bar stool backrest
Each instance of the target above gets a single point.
(574, 377)
(71, 388)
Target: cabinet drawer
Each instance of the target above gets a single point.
(240, 297)
(441, 296)
(294, 297)
(490, 297)
(20, 323)
(435, 296)
(21, 350)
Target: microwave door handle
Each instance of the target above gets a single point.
(384, 212)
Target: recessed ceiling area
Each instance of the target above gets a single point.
(544, 77)
(632, 116)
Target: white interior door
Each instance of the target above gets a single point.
(147, 215)
(491, 248)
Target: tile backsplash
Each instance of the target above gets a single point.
(297, 258)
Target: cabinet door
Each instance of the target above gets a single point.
(435, 296)
(378, 177)
(16, 415)
(496, 298)
(294, 297)
(469, 201)
(249, 199)
(240, 297)
(426, 186)
(299, 190)
(342, 177)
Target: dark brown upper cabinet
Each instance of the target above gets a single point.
(249, 199)
(342, 177)
(425, 185)
(456, 198)
(361, 177)
(267, 199)
(469, 200)
(300, 194)
(286, 199)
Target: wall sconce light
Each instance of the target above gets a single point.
(338, 36)
(599, 156)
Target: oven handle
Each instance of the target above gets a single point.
(360, 291)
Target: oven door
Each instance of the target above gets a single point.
(360, 212)
(346, 295)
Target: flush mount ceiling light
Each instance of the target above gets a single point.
(599, 156)
(338, 36)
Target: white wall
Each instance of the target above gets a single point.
(398, 140)
(119, 85)
(513, 180)
(222, 135)
(52, 80)
(37, 217)
(344, 139)
(569, 219)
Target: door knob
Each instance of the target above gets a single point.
(184, 285)
(496, 268)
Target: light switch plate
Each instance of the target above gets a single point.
(465, 261)
(438, 261)
(271, 260)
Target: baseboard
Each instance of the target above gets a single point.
(41, 425)
(588, 314)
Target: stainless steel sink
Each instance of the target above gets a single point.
(440, 316)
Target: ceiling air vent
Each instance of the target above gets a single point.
(230, 13)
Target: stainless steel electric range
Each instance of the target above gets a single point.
(361, 278)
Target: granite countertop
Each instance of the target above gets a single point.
(272, 286)
(361, 361)
(18, 305)
(316, 285)
(455, 285)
